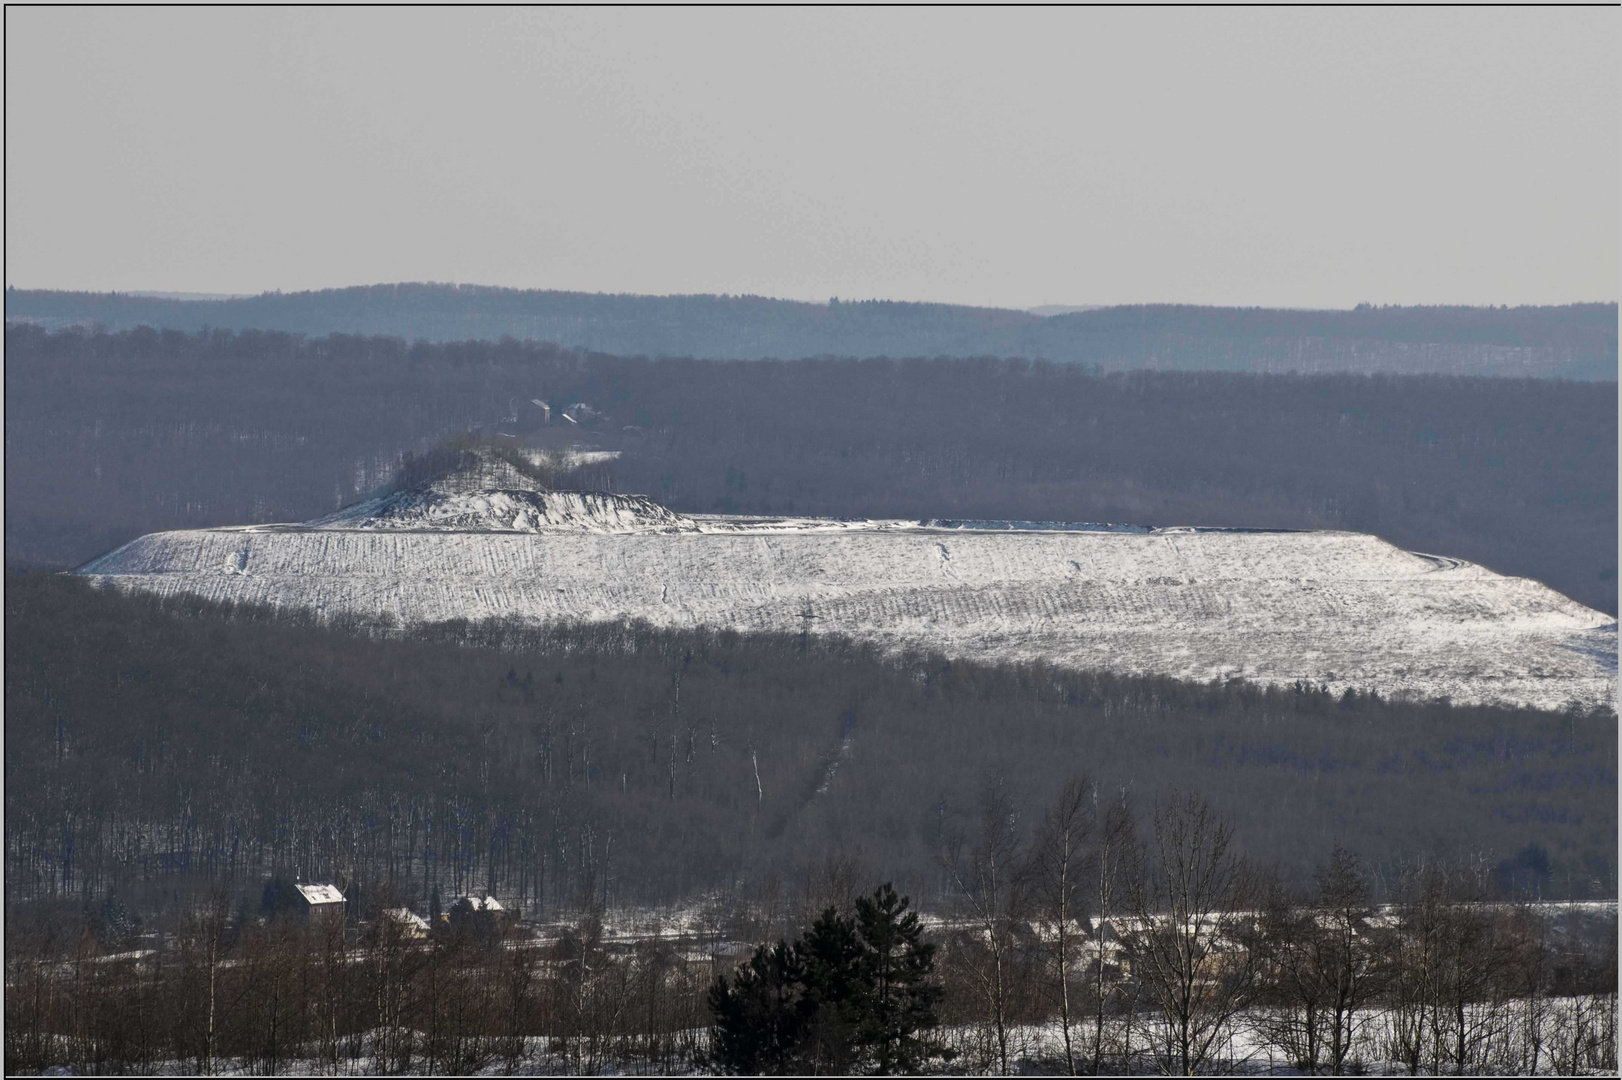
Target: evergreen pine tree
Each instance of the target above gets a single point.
(759, 1018)
(901, 998)
(836, 994)
(850, 995)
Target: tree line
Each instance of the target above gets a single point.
(1105, 943)
(1108, 942)
(1577, 341)
(111, 435)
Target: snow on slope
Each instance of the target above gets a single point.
(506, 510)
(1342, 609)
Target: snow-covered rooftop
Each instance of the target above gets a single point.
(315, 895)
(407, 917)
(480, 903)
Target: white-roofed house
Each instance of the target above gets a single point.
(411, 924)
(321, 901)
(482, 912)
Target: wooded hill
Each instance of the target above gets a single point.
(112, 435)
(1575, 341)
(150, 744)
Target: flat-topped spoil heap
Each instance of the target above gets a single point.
(1340, 609)
(507, 511)
(478, 487)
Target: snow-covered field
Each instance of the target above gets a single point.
(1335, 608)
(1559, 1036)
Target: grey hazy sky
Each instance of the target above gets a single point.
(1011, 157)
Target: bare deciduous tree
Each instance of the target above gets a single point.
(987, 882)
(1060, 859)
(1187, 938)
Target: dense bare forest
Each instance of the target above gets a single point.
(1364, 882)
(151, 743)
(1100, 941)
(1576, 341)
(113, 435)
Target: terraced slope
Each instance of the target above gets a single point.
(1342, 609)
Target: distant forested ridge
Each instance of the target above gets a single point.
(1577, 341)
(112, 435)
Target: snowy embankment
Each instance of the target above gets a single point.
(507, 511)
(1562, 1036)
(1342, 609)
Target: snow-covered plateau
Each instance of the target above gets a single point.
(1341, 609)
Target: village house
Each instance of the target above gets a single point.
(411, 924)
(320, 902)
(537, 415)
(476, 912)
